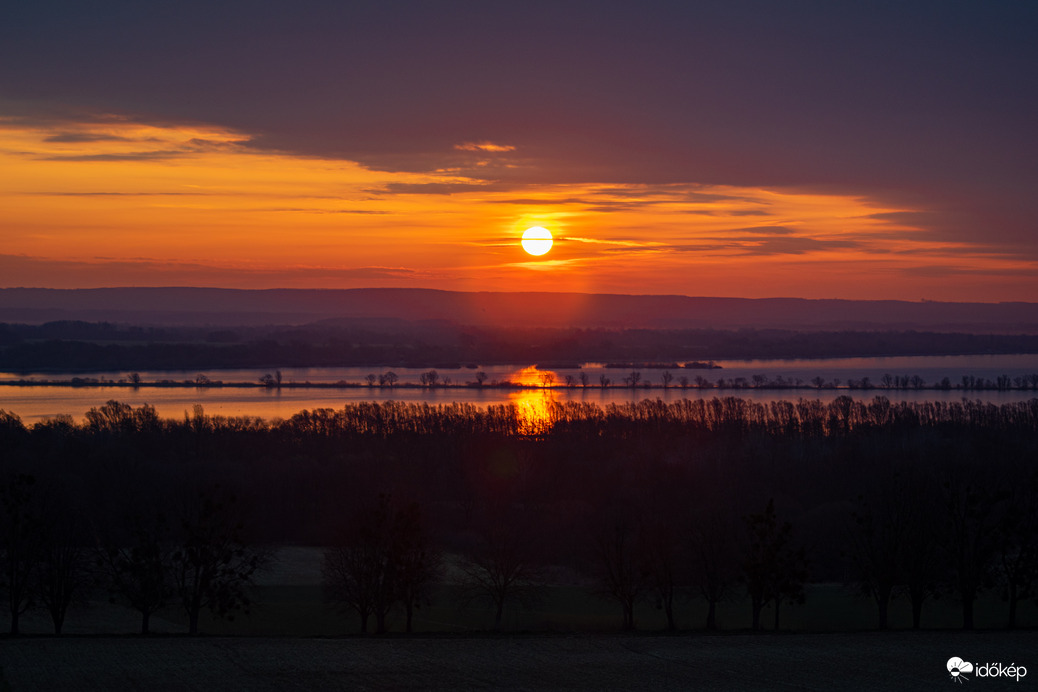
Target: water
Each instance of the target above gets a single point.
(38, 403)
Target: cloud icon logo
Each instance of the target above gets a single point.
(957, 667)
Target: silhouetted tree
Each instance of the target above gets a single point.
(22, 541)
(417, 563)
(212, 566)
(969, 525)
(380, 559)
(138, 567)
(878, 536)
(1016, 564)
(503, 566)
(774, 570)
(63, 572)
(714, 560)
(622, 566)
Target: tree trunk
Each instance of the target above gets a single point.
(192, 627)
(883, 602)
(1013, 598)
(499, 615)
(757, 607)
(14, 622)
(363, 623)
(628, 608)
(917, 611)
(778, 602)
(145, 618)
(967, 613)
(59, 619)
(711, 616)
(410, 613)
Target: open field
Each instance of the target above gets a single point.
(873, 661)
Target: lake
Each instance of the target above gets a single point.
(35, 403)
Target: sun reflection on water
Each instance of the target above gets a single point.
(535, 409)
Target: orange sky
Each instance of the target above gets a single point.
(114, 202)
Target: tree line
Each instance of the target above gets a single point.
(650, 502)
(84, 347)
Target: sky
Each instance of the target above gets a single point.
(867, 150)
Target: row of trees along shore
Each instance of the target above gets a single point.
(548, 379)
(647, 502)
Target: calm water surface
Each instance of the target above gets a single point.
(37, 403)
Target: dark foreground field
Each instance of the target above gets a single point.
(873, 661)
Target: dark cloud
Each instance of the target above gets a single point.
(79, 137)
(430, 188)
(778, 245)
(121, 194)
(129, 156)
(766, 230)
(25, 271)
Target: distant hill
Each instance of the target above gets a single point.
(215, 306)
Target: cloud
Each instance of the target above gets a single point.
(128, 156)
(81, 137)
(448, 188)
(489, 147)
(24, 271)
(766, 230)
(777, 245)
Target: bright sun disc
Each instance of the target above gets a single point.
(537, 240)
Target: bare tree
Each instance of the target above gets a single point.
(63, 574)
(502, 567)
(774, 570)
(714, 560)
(622, 565)
(22, 541)
(878, 536)
(970, 520)
(138, 567)
(380, 559)
(212, 565)
(667, 378)
(1016, 565)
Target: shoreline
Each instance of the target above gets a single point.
(86, 383)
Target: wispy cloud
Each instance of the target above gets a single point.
(488, 147)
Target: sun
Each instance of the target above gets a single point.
(537, 240)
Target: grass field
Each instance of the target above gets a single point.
(293, 641)
(865, 661)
